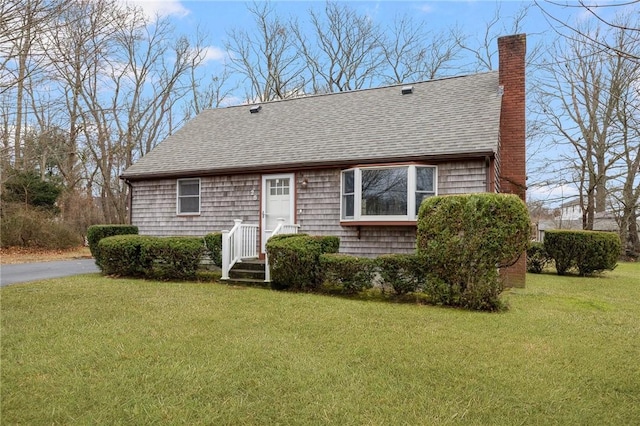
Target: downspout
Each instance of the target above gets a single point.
(129, 200)
(488, 174)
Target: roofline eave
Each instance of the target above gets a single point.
(292, 167)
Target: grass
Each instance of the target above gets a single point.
(94, 350)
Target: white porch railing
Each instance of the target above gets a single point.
(282, 228)
(239, 243)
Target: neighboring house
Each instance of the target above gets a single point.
(571, 211)
(570, 218)
(352, 164)
(540, 227)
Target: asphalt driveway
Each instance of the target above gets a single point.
(24, 272)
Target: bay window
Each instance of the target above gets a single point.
(385, 193)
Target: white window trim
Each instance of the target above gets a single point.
(178, 212)
(411, 194)
(353, 194)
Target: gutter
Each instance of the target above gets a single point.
(292, 167)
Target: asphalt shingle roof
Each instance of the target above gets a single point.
(446, 117)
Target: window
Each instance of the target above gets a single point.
(348, 193)
(386, 193)
(425, 185)
(188, 196)
(278, 186)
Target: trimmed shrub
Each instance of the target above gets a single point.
(353, 274)
(121, 255)
(163, 258)
(96, 233)
(537, 258)
(330, 243)
(213, 243)
(439, 292)
(294, 260)
(464, 239)
(560, 246)
(587, 251)
(279, 237)
(402, 272)
(171, 258)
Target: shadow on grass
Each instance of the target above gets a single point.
(375, 294)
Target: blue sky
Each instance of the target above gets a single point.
(218, 17)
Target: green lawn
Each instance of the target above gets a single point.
(94, 350)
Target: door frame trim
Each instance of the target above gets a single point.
(263, 201)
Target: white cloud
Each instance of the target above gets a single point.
(153, 8)
(553, 194)
(426, 8)
(213, 53)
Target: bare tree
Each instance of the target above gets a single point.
(213, 94)
(483, 47)
(22, 23)
(266, 56)
(346, 51)
(570, 31)
(581, 98)
(118, 76)
(624, 192)
(411, 53)
(210, 91)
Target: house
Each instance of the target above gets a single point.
(571, 210)
(353, 164)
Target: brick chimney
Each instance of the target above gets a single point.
(511, 151)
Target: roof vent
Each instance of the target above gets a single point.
(255, 109)
(406, 90)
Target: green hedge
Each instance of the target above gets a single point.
(586, 251)
(122, 255)
(329, 243)
(464, 239)
(294, 260)
(213, 243)
(170, 258)
(96, 233)
(404, 273)
(352, 274)
(537, 258)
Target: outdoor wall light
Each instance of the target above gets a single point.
(304, 183)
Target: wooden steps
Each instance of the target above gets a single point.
(248, 272)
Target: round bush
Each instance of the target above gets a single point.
(294, 260)
(586, 251)
(463, 239)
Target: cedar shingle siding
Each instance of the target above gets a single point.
(224, 198)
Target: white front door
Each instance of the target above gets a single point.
(277, 202)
